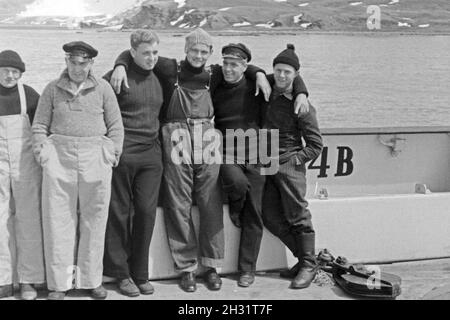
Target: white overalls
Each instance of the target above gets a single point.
(20, 201)
(76, 190)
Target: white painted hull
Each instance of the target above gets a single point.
(372, 215)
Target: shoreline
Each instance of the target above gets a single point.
(248, 32)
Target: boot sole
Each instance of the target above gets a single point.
(299, 287)
(147, 293)
(130, 295)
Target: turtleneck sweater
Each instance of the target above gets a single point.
(140, 105)
(10, 101)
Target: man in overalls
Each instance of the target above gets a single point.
(77, 137)
(20, 183)
(188, 110)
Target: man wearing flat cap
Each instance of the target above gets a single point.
(77, 136)
(20, 183)
(239, 112)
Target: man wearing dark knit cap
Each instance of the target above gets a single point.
(20, 183)
(11, 63)
(239, 114)
(285, 209)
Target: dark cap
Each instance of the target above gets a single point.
(237, 51)
(81, 49)
(289, 57)
(9, 58)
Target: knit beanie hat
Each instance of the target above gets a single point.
(289, 57)
(198, 36)
(9, 58)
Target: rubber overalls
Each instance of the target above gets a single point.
(189, 116)
(20, 201)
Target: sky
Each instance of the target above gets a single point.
(76, 8)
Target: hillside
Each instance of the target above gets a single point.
(267, 15)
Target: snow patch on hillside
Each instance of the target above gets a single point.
(181, 3)
(242, 24)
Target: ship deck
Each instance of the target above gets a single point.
(421, 280)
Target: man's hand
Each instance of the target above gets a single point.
(118, 77)
(301, 104)
(264, 85)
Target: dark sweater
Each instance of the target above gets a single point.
(236, 106)
(10, 101)
(192, 78)
(292, 128)
(140, 105)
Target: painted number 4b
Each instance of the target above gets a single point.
(344, 163)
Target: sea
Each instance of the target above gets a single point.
(355, 80)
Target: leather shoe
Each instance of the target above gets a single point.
(188, 282)
(128, 288)
(99, 293)
(213, 281)
(6, 291)
(304, 278)
(56, 295)
(27, 292)
(291, 273)
(246, 279)
(145, 287)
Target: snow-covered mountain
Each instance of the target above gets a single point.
(333, 15)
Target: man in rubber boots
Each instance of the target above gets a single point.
(285, 209)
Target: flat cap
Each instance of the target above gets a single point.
(237, 50)
(80, 48)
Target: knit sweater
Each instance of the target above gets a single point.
(10, 101)
(93, 111)
(140, 105)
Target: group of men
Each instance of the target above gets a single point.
(85, 205)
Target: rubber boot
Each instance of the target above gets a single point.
(290, 242)
(292, 272)
(309, 266)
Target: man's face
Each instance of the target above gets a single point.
(233, 69)
(146, 55)
(9, 76)
(198, 55)
(78, 68)
(284, 75)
